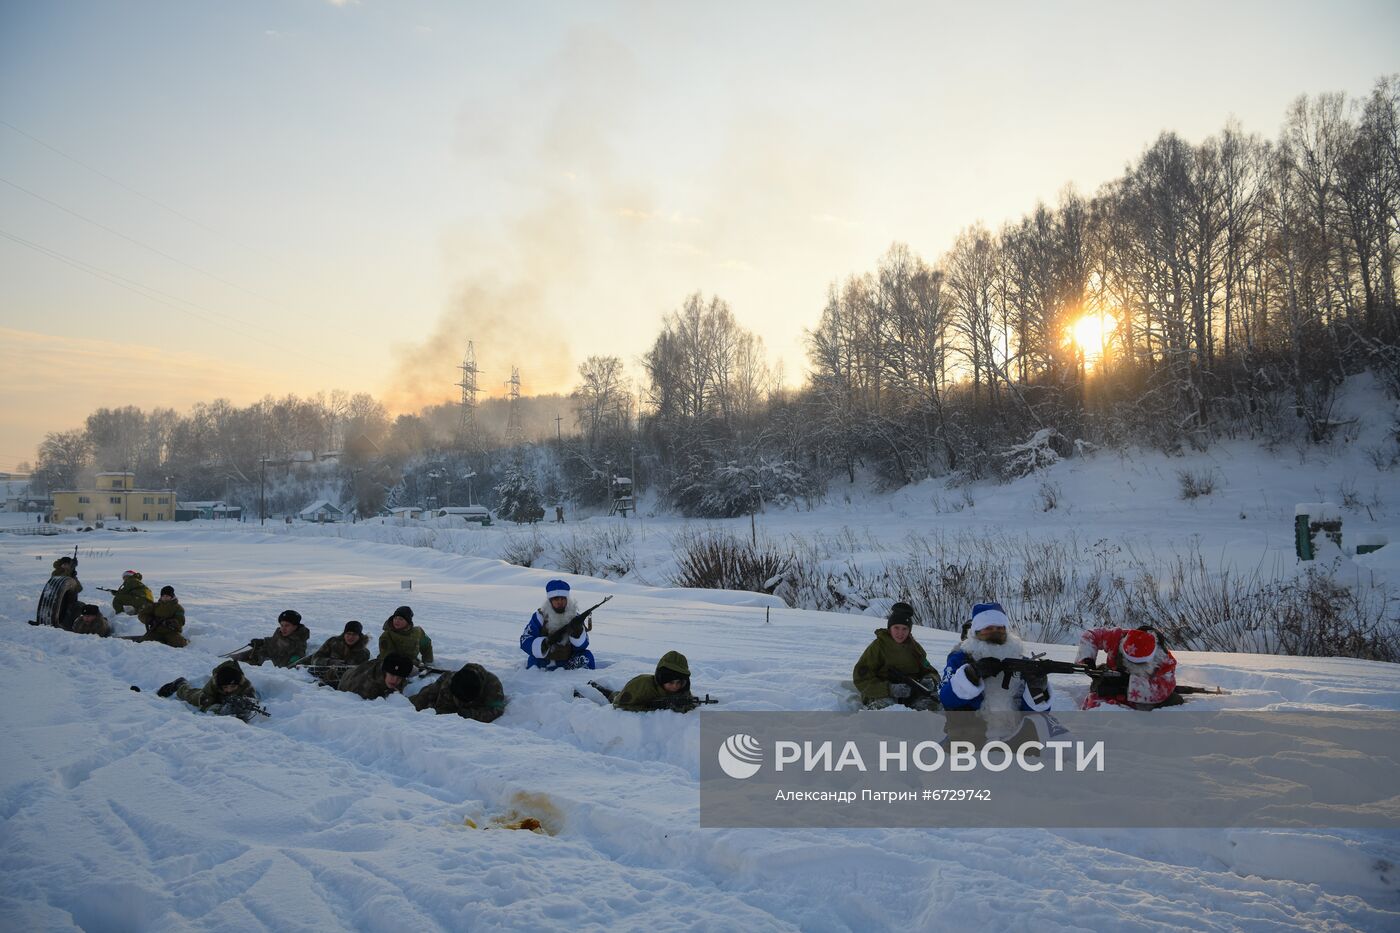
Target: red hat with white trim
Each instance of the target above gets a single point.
(1139, 646)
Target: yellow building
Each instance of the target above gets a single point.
(115, 498)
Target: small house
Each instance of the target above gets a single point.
(321, 511)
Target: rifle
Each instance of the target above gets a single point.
(236, 651)
(552, 639)
(683, 704)
(422, 668)
(1212, 691)
(913, 683)
(107, 589)
(1035, 664)
(1103, 678)
(245, 708)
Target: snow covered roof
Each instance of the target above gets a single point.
(464, 510)
(320, 505)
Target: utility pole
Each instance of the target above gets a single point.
(262, 491)
(467, 427)
(515, 435)
(559, 427)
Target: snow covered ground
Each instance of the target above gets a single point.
(123, 811)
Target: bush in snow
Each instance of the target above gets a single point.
(523, 550)
(606, 553)
(1045, 448)
(1195, 483)
(718, 561)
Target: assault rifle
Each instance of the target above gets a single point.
(245, 708)
(107, 589)
(1106, 682)
(680, 704)
(1035, 664)
(554, 638)
(684, 704)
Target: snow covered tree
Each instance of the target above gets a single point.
(518, 496)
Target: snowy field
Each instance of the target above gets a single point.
(123, 811)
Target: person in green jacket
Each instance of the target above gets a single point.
(667, 688)
(472, 693)
(401, 636)
(133, 595)
(225, 682)
(164, 620)
(375, 679)
(284, 647)
(338, 654)
(886, 668)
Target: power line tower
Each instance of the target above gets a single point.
(469, 390)
(515, 435)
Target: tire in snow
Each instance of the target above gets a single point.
(58, 604)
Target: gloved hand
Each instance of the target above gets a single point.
(576, 627)
(257, 642)
(1091, 663)
(168, 690)
(970, 672)
(559, 653)
(900, 691)
(1039, 687)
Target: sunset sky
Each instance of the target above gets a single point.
(203, 199)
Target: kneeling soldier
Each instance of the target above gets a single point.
(472, 693)
(133, 595)
(377, 678)
(164, 620)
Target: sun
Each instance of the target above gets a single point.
(1091, 332)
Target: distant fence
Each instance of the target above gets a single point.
(37, 529)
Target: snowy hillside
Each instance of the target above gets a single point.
(123, 811)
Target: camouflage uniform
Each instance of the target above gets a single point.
(164, 622)
(132, 593)
(281, 651)
(644, 692)
(210, 696)
(367, 681)
(333, 659)
(97, 626)
(438, 697)
(412, 642)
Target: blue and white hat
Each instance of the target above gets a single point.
(985, 615)
(556, 588)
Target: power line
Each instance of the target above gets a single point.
(145, 197)
(131, 239)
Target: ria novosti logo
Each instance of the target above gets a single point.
(741, 756)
